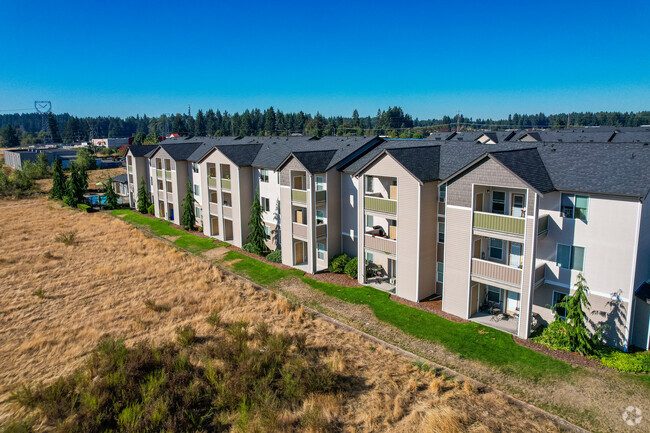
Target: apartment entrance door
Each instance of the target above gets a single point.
(161, 208)
(299, 252)
(512, 304)
(515, 259)
(517, 208)
(478, 202)
(171, 212)
(477, 249)
(473, 306)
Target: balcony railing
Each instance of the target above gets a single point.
(212, 182)
(214, 208)
(227, 211)
(299, 195)
(161, 194)
(321, 230)
(300, 230)
(381, 244)
(499, 223)
(168, 174)
(321, 196)
(381, 204)
(496, 272)
(159, 173)
(170, 196)
(542, 225)
(129, 168)
(225, 183)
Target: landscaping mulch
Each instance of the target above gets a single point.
(575, 359)
(429, 307)
(332, 278)
(260, 258)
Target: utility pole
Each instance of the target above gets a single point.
(568, 120)
(44, 108)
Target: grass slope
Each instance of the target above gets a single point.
(258, 272)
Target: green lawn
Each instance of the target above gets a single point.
(160, 227)
(259, 272)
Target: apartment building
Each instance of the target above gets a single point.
(137, 170)
(495, 227)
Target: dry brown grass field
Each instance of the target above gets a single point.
(98, 286)
(94, 177)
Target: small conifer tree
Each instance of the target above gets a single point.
(257, 237)
(143, 198)
(111, 195)
(188, 217)
(58, 180)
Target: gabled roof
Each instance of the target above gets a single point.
(314, 161)
(422, 162)
(528, 166)
(138, 151)
(242, 155)
(177, 151)
(120, 178)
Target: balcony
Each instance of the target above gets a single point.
(496, 272)
(159, 173)
(299, 195)
(227, 211)
(168, 175)
(381, 244)
(542, 226)
(540, 274)
(225, 184)
(380, 204)
(321, 196)
(170, 196)
(299, 230)
(129, 168)
(499, 223)
(212, 182)
(161, 194)
(214, 208)
(321, 230)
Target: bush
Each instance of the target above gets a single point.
(151, 210)
(337, 264)
(352, 268)
(67, 238)
(250, 248)
(629, 362)
(84, 207)
(186, 335)
(275, 256)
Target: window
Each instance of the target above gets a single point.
(197, 212)
(321, 251)
(264, 176)
(169, 187)
(197, 191)
(168, 165)
(158, 164)
(441, 272)
(574, 206)
(320, 217)
(267, 231)
(496, 249)
(494, 295)
(370, 257)
(570, 257)
(130, 160)
(498, 202)
(442, 193)
(370, 221)
(369, 180)
(266, 205)
(441, 232)
(559, 297)
(195, 167)
(160, 185)
(320, 183)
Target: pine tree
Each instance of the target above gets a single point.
(111, 195)
(178, 126)
(188, 218)
(139, 139)
(257, 237)
(9, 137)
(74, 191)
(54, 128)
(210, 123)
(42, 166)
(143, 198)
(269, 120)
(58, 180)
(199, 124)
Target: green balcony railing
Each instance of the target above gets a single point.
(381, 204)
(321, 196)
(159, 173)
(129, 168)
(299, 195)
(168, 174)
(542, 225)
(225, 183)
(212, 182)
(499, 223)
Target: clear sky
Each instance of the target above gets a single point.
(484, 58)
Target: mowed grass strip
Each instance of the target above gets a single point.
(469, 340)
(256, 271)
(160, 227)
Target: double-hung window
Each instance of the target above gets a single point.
(320, 183)
(440, 275)
(195, 167)
(496, 249)
(574, 206)
(570, 257)
(266, 205)
(499, 202)
(197, 212)
(267, 231)
(370, 221)
(321, 251)
(264, 176)
(441, 232)
(320, 217)
(197, 190)
(493, 295)
(442, 193)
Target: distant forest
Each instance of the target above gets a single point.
(392, 122)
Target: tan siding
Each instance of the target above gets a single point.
(428, 239)
(333, 213)
(457, 259)
(349, 213)
(246, 198)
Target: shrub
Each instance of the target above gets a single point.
(352, 268)
(185, 335)
(83, 207)
(151, 210)
(250, 248)
(67, 238)
(214, 319)
(338, 262)
(275, 256)
(629, 362)
(40, 293)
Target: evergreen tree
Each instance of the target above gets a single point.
(178, 127)
(54, 128)
(152, 138)
(143, 197)
(85, 160)
(355, 118)
(269, 120)
(111, 195)
(200, 128)
(58, 180)
(139, 138)
(188, 218)
(257, 237)
(189, 125)
(42, 166)
(74, 191)
(210, 123)
(9, 137)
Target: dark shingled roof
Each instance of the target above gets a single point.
(422, 162)
(241, 155)
(141, 150)
(121, 178)
(315, 161)
(527, 164)
(180, 151)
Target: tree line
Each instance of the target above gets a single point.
(26, 128)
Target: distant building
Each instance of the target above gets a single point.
(16, 158)
(110, 142)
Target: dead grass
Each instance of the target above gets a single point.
(99, 286)
(94, 177)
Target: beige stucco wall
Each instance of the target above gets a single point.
(349, 202)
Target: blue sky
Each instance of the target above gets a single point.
(484, 58)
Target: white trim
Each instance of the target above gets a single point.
(497, 263)
(628, 321)
(498, 214)
(533, 259)
(469, 265)
(505, 201)
(457, 207)
(417, 263)
(444, 259)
